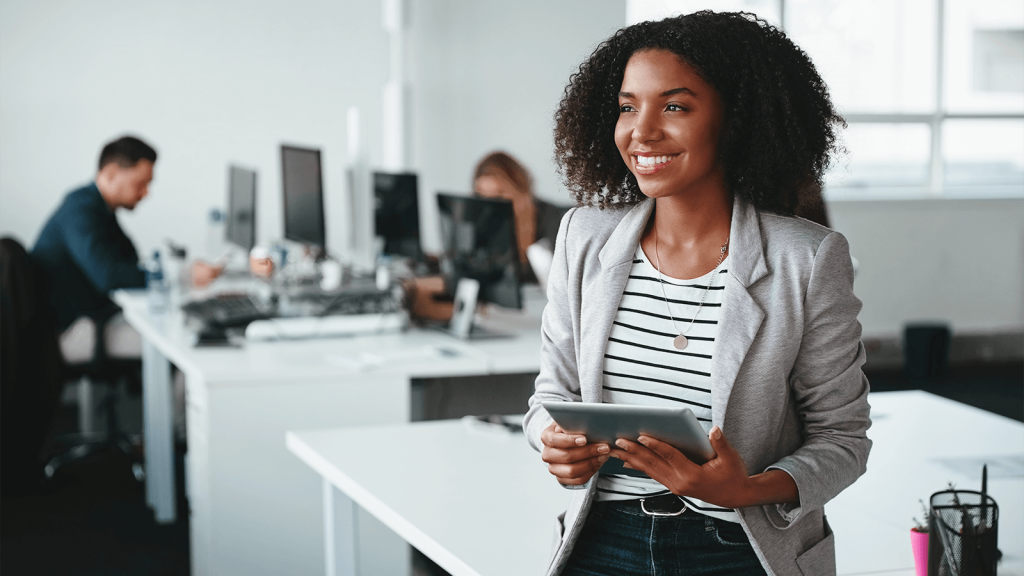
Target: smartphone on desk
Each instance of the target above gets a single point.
(609, 422)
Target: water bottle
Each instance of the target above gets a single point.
(382, 277)
(157, 289)
(215, 234)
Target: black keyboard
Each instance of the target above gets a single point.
(226, 310)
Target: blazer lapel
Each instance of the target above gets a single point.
(741, 315)
(600, 298)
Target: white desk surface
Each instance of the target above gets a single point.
(922, 442)
(443, 487)
(326, 357)
(482, 503)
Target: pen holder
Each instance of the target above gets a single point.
(963, 534)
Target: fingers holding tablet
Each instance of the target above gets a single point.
(569, 458)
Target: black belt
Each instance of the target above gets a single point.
(664, 505)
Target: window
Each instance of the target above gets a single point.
(933, 90)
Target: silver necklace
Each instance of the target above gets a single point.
(680, 342)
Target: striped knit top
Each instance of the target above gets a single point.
(642, 367)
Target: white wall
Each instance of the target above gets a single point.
(207, 83)
(487, 76)
(957, 261)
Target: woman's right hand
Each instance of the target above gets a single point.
(569, 457)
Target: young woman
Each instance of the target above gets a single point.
(683, 280)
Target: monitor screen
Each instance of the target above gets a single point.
(241, 224)
(303, 196)
(479, 238)
(397, 213)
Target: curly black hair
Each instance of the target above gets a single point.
(779, 131)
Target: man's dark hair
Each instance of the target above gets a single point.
(779, 128)
(126, 151)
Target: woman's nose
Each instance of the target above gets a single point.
(647, 127)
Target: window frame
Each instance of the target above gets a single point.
(934, 187)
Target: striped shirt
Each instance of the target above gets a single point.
(642, 367)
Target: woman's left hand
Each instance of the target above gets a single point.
(721, 481)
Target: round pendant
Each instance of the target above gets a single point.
(680, 342)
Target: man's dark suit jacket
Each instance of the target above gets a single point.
(85, 255)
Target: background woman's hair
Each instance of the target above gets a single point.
(779, 130)
(503, 164)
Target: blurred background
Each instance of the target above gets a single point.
(930, 192)
(930, 195)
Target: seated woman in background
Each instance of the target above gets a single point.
(499, 175)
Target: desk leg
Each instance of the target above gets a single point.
(340, 532)
(158, 433)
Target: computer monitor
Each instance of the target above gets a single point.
(303, 196)
(241, 224)
(397, 213)
(479, 239)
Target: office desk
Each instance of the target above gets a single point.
(254, 509)
(484, 504)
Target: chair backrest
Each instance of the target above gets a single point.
(22, 285)
(27, 328)
(30, 362)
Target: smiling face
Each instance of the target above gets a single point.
(668, 127)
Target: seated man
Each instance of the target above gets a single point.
(82, 247)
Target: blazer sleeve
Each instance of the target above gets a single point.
(558, 379)
(829, 388)
(102, 252)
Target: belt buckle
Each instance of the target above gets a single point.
(643, 506)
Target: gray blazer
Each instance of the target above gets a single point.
(787, 385)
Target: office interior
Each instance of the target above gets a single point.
(431, 86)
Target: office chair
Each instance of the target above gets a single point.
(95, 349)
(31, 376)
(35, 365)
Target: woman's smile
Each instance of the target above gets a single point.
(650, 163)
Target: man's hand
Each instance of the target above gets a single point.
(203, 273)
(569, 457)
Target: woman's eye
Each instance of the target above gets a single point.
(675, 108)
(626, 108)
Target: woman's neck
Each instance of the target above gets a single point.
(685, 235)
(683, 221)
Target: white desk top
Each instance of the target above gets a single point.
(442, 485)
(441, 488)
(922, 442)
(326, 357)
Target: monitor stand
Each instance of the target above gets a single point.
(463, 311)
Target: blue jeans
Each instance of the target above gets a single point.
(620, 540)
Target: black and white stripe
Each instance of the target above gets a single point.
(642, 367)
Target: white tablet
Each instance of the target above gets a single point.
(609, 422)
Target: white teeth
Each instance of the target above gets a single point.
(652, 160)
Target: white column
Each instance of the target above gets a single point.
(396, 94)
(361, 222)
